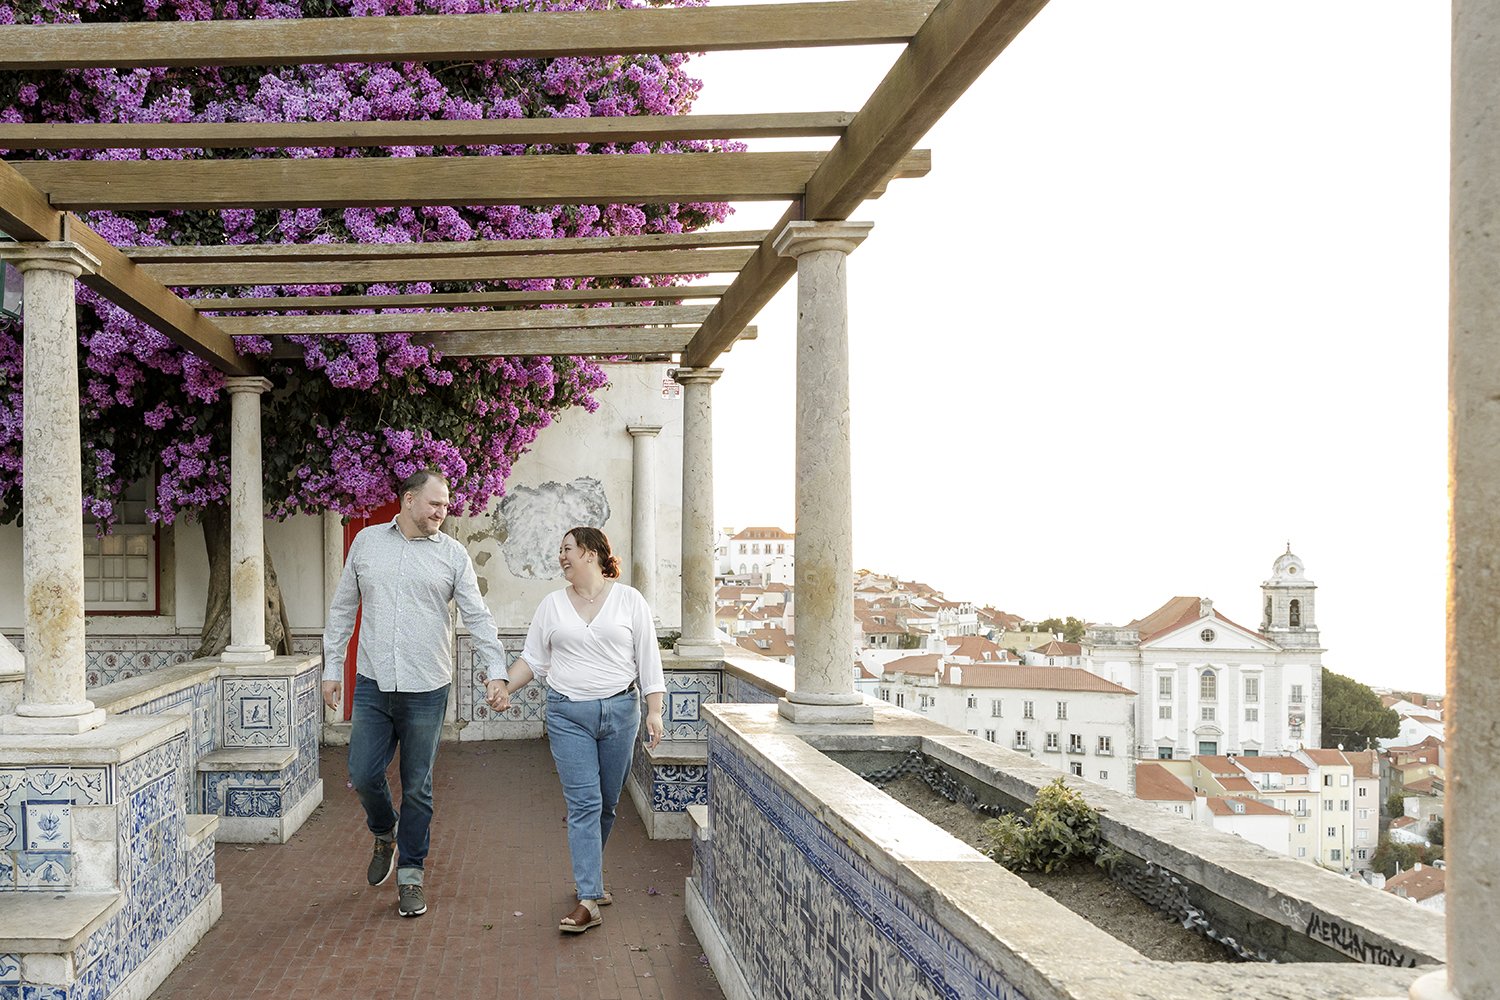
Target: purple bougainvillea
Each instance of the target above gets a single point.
(353, 414)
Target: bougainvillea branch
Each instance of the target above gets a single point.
(352, 414)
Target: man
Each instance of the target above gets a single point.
(404, 573)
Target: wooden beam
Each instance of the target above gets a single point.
(455, 37)
(527, 343)
(25, 213)
(959, 39)
(435, 300)
(489, 132)
(511, 319)
(278, 252)
(478, 268)
(156, 185)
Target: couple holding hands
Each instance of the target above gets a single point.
(593, 643)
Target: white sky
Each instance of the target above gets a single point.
(1174, 293)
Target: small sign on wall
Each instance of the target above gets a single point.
(670, 389)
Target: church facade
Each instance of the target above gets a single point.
(1208, 685)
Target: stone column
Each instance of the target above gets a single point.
(1472, 712)
(823, 682)
(699, 636)
(247, 525)
(54, 696)
(643, 511)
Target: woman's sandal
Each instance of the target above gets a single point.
(571, 923)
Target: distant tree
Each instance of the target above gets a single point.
(1389, 855)
(1051, 625)
(1435, 832)
(1073, 630)
(909, 640)
(1353, 716)
(1394, 805)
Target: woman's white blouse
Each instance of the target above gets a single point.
(596, 659)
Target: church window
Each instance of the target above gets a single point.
(1163, 711)
(1163, 753)
(1164, 687)
(1209, 713)
(1252, 690)
(1252, 715)
(1207, 635)
(1208, 685)
(1296, 694)
(1296, 613)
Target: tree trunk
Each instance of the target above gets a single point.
(278, 636)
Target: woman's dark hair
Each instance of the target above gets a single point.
(597, 542)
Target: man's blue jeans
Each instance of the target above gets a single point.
(383, 721)
(592, 743)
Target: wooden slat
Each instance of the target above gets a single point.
(511, 319)
(504, 268)
(458, 37)
(527, 343)
(436, 300)
(276, 252)
(154, 185)
(491, 132)
(958, 41)
(24, 211)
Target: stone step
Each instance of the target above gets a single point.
(52, 923)
(200, 827)
(248, 759)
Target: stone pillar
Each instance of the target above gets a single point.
(54, 696)
(247, 525)
(823, 682)
(1472, 713)
(643, 502)
(699, 635)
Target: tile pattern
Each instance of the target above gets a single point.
(256, 712)
(674, 787)
(110, 658)
(739, 691)
(806, 916)
(527, 705)
(201, 704)
(687, 692)
(267, 794)
(36, 841)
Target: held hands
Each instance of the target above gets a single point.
(653, 730)
(333, 692)
(497, 695)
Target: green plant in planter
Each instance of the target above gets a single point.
(1060, 827)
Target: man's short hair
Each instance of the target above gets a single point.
(414, 482)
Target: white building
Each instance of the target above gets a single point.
(1207, 685)
(758, 554)
(1075, 721)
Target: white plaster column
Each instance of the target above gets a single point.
(823, 685)
(643, 501)
(699, 636)
(1472, 712)
(54, 695)
(247, 524)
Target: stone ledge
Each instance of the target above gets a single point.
(200, 827)
(122, 696)
(52, 923)
(121, 738)
(248, 759)
(669, 752)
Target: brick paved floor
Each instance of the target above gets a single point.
(300, 921)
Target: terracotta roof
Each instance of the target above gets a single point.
(1327, 758)
(1001, 618)
(1419, 883)
(762, 534)
(975, 647)
(1216, 764)
(982, 675)
(1177, 612)
(1430, 743)
(1366, 763)
(778, 643)
(1402, 821)
(1239, 786)
(1426, 786)
(1156, 783)
(1275, 764)
(1058, 648)
(921, 663)
(1238, 805)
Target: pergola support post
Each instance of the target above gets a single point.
(1472, 713)
(643, 500)
(247, 525)
(54, 695)
(699, 634)
(823, 690)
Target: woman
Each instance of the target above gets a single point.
(594, 644)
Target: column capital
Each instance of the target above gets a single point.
(799, 238)
(696, 376)
(643, 430)
(56, 256)
(248, 383)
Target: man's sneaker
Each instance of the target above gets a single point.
(413, 901)
(382, 862)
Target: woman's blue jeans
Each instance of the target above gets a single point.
(384, 720)
(592, 743)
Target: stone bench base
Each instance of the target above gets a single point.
(664, 783)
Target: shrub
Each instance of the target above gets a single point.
(1059, 828)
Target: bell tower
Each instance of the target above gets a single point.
(1289, 618)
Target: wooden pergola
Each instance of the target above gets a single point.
(947, 45)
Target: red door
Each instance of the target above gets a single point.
(353, 527)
